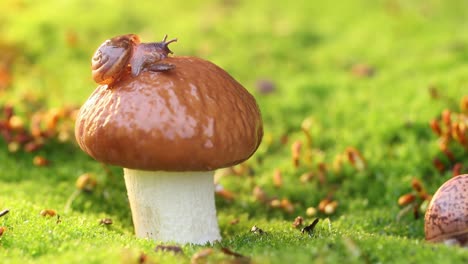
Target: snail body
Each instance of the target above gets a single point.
(120, 55)
(148, 54)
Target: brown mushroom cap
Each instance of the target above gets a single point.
(195, 117)
(447, 214)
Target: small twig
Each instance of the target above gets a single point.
(310, 228)
(4, 212)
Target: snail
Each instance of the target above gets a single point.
(446, 218)
(122, 54)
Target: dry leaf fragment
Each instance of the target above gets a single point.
(277, 178)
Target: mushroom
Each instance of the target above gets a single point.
(446, 218)
(170, 130)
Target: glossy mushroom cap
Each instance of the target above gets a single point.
(195, 117)
(447, 214)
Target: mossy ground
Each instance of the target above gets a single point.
(307, 49)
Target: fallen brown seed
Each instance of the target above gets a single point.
(16, 123)
(355, 158)
(436, 127)
(48, 212)
(8, 111)
(13, 146)
(322, 204)
(287, 206)
(257, 230)
(32, 146)
(40, 161)
(298, 221)
(296, 152)
(406, 199)
(306, 125)
(417, 185)
(449, 154)
(277, 178)
(275, 203)
(330, 208)
(105, 221)
(306, 177)
(86, 182)
(464, 104)
(438, 165)
(143, 258)
(338, 163)
(447, 117)
(311, 211)
(259, 194)
(457, 169)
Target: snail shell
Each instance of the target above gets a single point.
(112, 58)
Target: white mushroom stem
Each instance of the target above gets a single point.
(173, 206)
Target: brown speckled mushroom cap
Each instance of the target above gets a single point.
(195, 117)
(447, 214)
